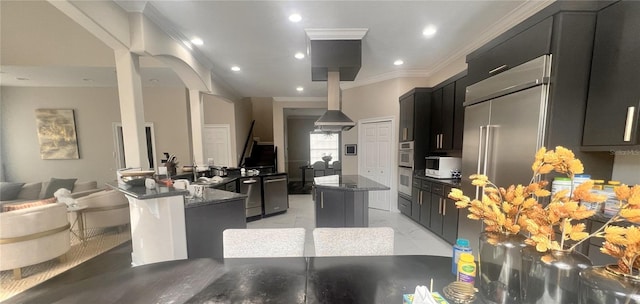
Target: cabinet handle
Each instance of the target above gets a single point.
(444, 208)
(499, 69)
(420, 198)
(405, 131)
(439, 206)
(628, 123)
(321, 200)
(441, 137)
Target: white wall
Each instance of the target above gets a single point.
(263, 115)
(96, 109)
(371, 101)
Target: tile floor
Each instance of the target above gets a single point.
(410, 238)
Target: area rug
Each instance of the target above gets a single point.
(297, 187)
(97, 242)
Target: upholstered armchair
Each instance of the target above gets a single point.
(33, 235)
(107, 208)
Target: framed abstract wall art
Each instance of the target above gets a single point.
(57, 134)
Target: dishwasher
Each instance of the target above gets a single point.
(276, 198)
(252, 187)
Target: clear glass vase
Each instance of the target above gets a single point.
(605, 284)
(499, 267)
(554, 279)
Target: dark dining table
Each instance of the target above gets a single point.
(372, 279)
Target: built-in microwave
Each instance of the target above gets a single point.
(442, 166)
(405, 154)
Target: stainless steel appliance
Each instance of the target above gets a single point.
(252, 187)
(504, 125)
(405, 180)
(276, 198)
(405, 169)
(441, 166)
(405, 154)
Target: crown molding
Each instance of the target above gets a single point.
(384, 77)
(301, 99)
(336, 33)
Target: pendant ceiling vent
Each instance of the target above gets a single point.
(336, 55)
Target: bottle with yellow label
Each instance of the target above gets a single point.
(466, 268)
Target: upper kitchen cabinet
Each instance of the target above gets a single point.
(531, 43)
(442, 118)
(414, 108)
(447, 116)
(415, 117)
(613, 105)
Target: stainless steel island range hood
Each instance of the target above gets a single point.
(334, 120)
(336, 55)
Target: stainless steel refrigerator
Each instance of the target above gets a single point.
(504, 126)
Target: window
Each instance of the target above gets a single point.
(324, 144)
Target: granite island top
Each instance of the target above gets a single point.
(348, 183)
(213, 196)
(142, 193)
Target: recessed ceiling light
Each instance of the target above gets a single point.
(398, 62)
(429, 31)
(23, 78)
(299, 55)
(235, 68)
(153, 80)
(197, 41)
(295, 18)
(299, 89)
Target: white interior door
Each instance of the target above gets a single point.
(217, 144)
(375, 162)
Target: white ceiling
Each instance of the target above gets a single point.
(258, 37)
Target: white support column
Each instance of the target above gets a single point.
(197, 126)
(131, 109)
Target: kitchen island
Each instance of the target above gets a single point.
(343, 200)
(167, 226)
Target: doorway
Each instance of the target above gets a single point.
(217, 144)
(376, 138)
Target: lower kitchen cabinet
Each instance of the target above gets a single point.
(431, 208)
(205, 224)
(341, 208)
(404, 205)
(330, 208)
(449, 220)
(416, 201)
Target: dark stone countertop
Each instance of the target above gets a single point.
(142, 193)
(453, 182)
(213, 196)
(348, 183)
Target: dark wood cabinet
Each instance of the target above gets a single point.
(458, 112)
(442, 118)
(415, 116)
(531, 43)
(613, 105)
(404, 205)
(416, 200)
(330, 208)
(449, 220)
(431, 208)
(204, 226)
(407, 105)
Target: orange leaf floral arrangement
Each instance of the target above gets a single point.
(623, 243)
(517, 209)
